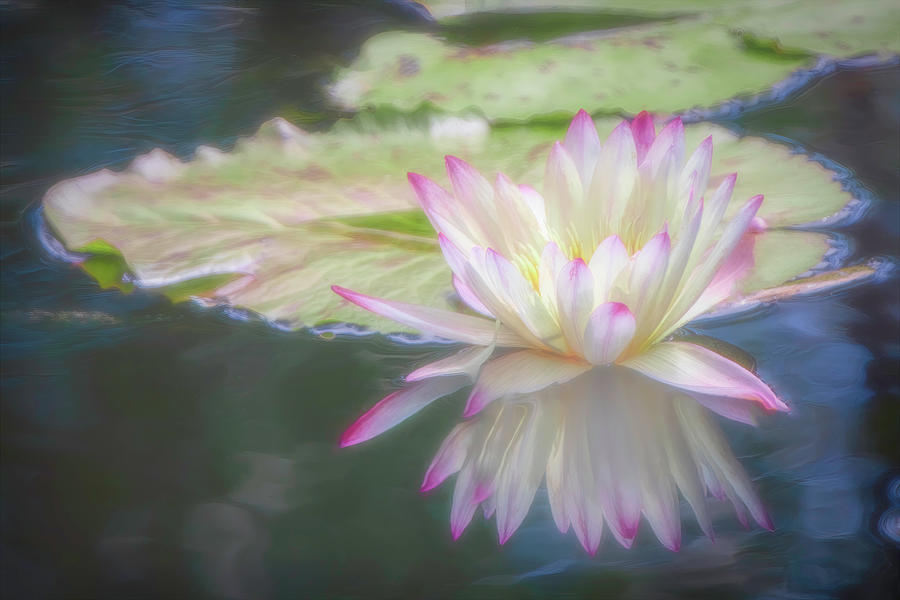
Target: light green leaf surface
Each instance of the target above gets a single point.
(667, 67)
(840, 28)
(273, 224)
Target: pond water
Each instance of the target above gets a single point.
(157, 450)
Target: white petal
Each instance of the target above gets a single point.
(697, 369)
(575, 301)
(606, 264)
(467, 362)
(520, 373)
(450, 456)
(609, 330)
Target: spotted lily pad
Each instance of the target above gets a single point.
(666, 67)
(271, 225)
(832, 27)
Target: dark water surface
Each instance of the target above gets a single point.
(152, 450)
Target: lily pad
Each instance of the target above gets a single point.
(832, 27)
(270, 226)
(668, 67)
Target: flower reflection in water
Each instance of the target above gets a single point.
(581, 290)
(612, 445)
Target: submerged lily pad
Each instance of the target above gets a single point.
(270, 226)
(667, 67)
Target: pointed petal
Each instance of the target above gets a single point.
(696, 369)
(450, 456)
(583, 145)
(644, 132)
(470, 298)
(670, 141)
(609, 330)
(519, 373)
(698, 167)
(615, 178)
(399, 406)
(443, 323)
(439, 205)
(470, 186)
(475, 204)
(463, 508)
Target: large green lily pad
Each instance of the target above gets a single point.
(693, 55)
(838, 28)
(270, 226)
(667, 67)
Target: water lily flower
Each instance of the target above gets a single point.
(624, 247)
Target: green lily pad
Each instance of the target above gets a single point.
(270, 226)
(832, 27)
(668, 67)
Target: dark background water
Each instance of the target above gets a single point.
(152, 450)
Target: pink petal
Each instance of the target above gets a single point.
(399, 406)
(583, 145)
(609, 330)
(696, 369)
(644, 132)
(443, 323)
(450, 457)
(520, 373)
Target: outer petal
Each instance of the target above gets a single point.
(696, 369)
(443, 323)
(399, 406)
(520, 373)
(470, 298)
(609, 331)
(465, 362)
